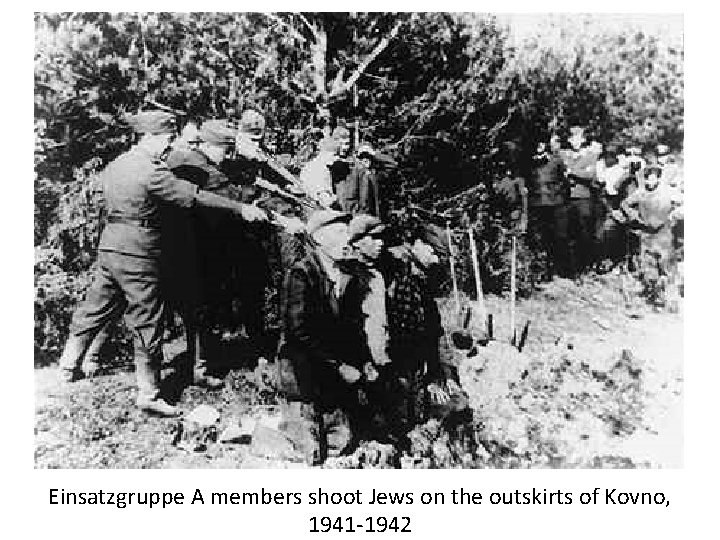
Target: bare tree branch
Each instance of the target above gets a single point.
(418, 123)
(312, 28)
(380, 47)
(164, 107)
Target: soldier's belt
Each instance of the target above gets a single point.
(137, 222)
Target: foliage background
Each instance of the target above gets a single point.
(451, 97)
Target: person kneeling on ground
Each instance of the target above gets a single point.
(415, 328)
(363, 305)
(318, 377)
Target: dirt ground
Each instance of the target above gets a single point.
(598, 384)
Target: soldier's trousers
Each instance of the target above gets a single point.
(581, 222)
(130, 284)
(552, 224)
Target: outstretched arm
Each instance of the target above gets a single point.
(170, 189)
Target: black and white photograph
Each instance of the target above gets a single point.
(358, 240)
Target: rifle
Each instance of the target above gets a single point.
(280, 192)
(267, 159)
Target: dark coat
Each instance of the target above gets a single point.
(317, 338)
(414, 320)
(548, 186)
(212, 259)
(581, 172)
(359, 193)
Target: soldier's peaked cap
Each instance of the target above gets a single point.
(153, 122)
(217, 133)
(662, 149)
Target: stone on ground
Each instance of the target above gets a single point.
(204, 415)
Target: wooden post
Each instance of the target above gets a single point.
(355, 107)
(478, 282)
(523, 336)
(357, 120)
(451, 250)
(513, 272)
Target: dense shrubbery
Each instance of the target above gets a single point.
(442, 94)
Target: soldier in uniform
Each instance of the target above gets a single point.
(580, 164)
(547, 204)
(127, 277)
(193, 256)
(260, 248)
(232, 258)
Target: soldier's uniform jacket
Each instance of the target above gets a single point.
(548, 186)
(212, 257)
(582, 172)
(181, 262)
(135, 186)
(194, 166)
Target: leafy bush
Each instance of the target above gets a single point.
(445, 95)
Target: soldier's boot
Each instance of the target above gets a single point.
(198, 349)
(72, 357)
(157, 406)
(147, 372)
(91, 363)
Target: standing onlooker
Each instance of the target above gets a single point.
(358, 192)
(316, 177)
(652, 210)
(547, 198)
(580, 163)
(614, 176)
(673, 178)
